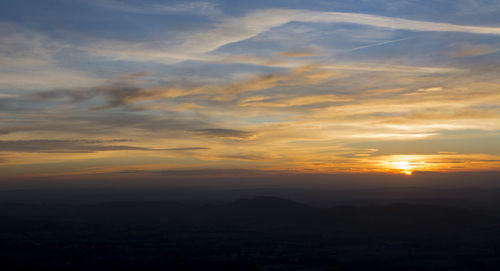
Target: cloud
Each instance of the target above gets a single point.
(391, 23)
(8, 130)
(118, 92)
(242, 156)
(199, 8)
(260, 101)
(115, 95)
(7, 95)
(61, 146)
(431, 89)
(378, 44)
(188, 149)
(124, 93)
(469, 50)
(360, 111)
(302, 53)
(224, 133)
(77, 146)
(287, 107)
(196, 45)
(62, 123)
(29, 62)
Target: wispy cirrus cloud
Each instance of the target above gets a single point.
(195, 45)
(197, 7)
(468, 50)
(28, 61)
(124, 93)
(298, 53)
(78, 146)
(223, 133)
(263, 101)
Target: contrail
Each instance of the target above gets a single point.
(377, 44)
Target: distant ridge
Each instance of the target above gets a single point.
(266, 203)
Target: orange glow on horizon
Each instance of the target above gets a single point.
(404, 166)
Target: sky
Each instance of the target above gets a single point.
(96, 87)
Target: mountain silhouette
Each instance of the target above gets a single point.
(261, 233)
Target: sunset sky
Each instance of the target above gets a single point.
(377, 86)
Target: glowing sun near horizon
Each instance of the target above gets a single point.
(404, 167)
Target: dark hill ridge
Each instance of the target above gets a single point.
(269, 206)
(247, 234)
(326, 197)
(268, 202)
(257, 208)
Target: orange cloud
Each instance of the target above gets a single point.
(474, 50)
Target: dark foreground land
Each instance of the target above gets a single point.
(263, 233)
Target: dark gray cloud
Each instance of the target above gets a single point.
(70, 95)
(15, 104)
(108, 125)
(76, 146)
(118, 96)
(13, 129)
(217, 132)
(124, 91)
(171, 125)
(115, 95)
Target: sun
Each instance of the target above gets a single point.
(405, 164)
(405, 167)
(408, 172)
